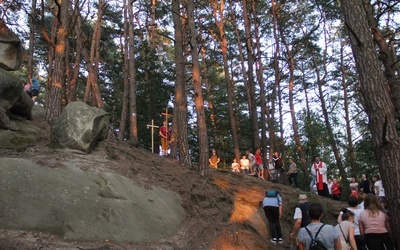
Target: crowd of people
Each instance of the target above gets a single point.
(363, 225)
(253, 164)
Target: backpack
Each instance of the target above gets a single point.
(316, 244)
(272, 193)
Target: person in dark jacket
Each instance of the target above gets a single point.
(364, 185)
(301, 215)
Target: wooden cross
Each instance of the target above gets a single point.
(152, 134)
(166, 115)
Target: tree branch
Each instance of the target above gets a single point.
(359, 42)
(44, 32)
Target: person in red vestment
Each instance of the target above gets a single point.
(319, 170)
(164, 137)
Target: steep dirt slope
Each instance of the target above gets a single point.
(222, 210)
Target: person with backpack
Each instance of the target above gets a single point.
(317, 235)
(35, 87)
(272, 205)
(301, 215)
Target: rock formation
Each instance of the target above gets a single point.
(13, 100)
(80, 127)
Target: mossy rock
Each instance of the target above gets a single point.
(22, 137)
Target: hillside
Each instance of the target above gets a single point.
(222, 211)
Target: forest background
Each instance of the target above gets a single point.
(302, 78)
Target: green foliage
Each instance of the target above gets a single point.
(302, 25)
(154, 90)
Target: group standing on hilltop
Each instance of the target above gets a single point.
(364, 225)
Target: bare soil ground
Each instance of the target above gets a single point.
(223, 210)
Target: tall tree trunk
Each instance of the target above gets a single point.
(250, 86)
(281, 142)
(378, 105)
(260, 79)
(72, 83)
(213, 136)
(239, 42)
(53, 108)
(220, 22)
(295, 125)
(241, 54)
(198, 95)
(31, 17)
(125, 52)
(92, 88)
(387, 56)
(350, 146)
(277, 74)
(311, 150)
(133, 131)
(50, 58)
(152, 25)
(328, 125)
(179, 135)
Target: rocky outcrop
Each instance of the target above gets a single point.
(12, 53)
(80, 127)
(24, 133)
(13, 100)
(84, 206)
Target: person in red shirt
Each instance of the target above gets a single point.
(336, 190)
(164, 137)
(260, 164)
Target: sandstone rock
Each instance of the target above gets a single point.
(23, 106)
(12, 97)
(84, 206)
(11, 90)
(22, 135)
(12, 53)
(80, 127)
(38, 112)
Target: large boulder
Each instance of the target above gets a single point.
(84, 206)
(12, 94)
(80, 127)
(12, 98)
(23, 106)
(12, 53)
(25, 133)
